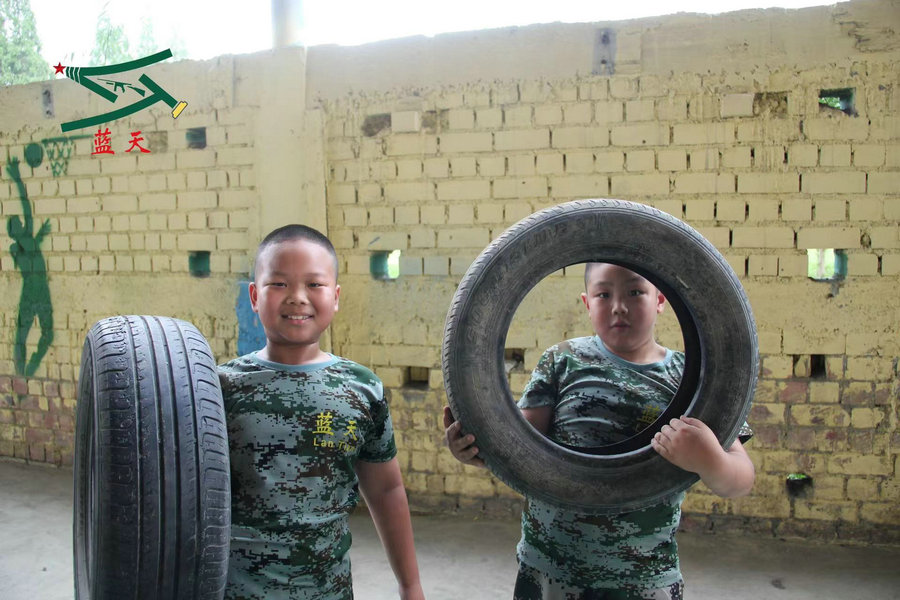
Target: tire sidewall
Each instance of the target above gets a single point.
(669, 253)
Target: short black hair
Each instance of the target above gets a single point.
(295, 232)
(587, 271)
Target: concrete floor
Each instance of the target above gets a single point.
(459, 558)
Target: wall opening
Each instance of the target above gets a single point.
(416, 377)
(385, 265)
(196, 138)
(817, 366)
(826, 264)
(840, 99)
(514, 359)
(198, 263)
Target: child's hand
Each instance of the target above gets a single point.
(462, 447)
(688, 443)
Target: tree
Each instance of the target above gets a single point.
(20, 47)
(111, 43)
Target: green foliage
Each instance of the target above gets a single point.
(110, 45)
(832, 101)
(20, 47)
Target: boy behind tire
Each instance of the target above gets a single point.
(599, 390)
(307, 431)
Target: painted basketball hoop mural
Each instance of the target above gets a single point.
(148, 95)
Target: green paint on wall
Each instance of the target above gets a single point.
(34, 301)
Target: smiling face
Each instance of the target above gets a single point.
(623, 307)
(295, 295)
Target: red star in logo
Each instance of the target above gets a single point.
(59, 68)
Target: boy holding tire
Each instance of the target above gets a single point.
(599, 390)
(307, 432)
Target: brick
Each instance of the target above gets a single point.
(737, 105)
(381, 215)
(414, 191)
(515, 212)
(880, 512)
(796, 209)
(768, 183)
(406, 121)
(436, 167)
(671, 160)
(581, 112)
(884, 237)
(823, 392)
(736, 158)
(866, 418)
(549, 164)
(819, 342)
(831, 237)
(890, 264)
(433, 214)
(451, 143)
(579, 162)
(640, 160)
(579, 186)
(650, 134)
(834, 155)
(120, 164)
(436, 265)
(700, 209)
(704, 159)
(409, 169)
(522, 139)
(522, 187)
(853, 464)
(762, 209)
(463, 238)
(463, 166)
(547, 114)
(203, 199)
(826, 511)
(830, 209)
(609, 112)
(803, 155)
(463, 190)
(383, 240)
(639, 110)
(868, 155)
(461, 214)
(646, 184)
(731, 210)
(580, 137)
(883, 183)
(866, 209)
(762, 265)
(671, 109)
(623, 87)
(489, 118)
(837, 128)
(489, 213)
(409, 143)
(696, 134)
(762, 237)
(833, 183)
(517, 116)
(704, 183)
(195, 159)
(88, 204)
(862, 265)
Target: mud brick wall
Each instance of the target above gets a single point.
(433, 147)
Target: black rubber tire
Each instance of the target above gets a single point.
(152, 486)
(721, 356)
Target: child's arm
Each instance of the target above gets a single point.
(688, 443)
(382, 487)
(463, 447)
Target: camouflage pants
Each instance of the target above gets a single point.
(532, 584)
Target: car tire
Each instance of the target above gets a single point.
(721, 356)
(152, 511)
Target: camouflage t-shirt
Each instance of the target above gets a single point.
(295, 433)
(599, 398)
